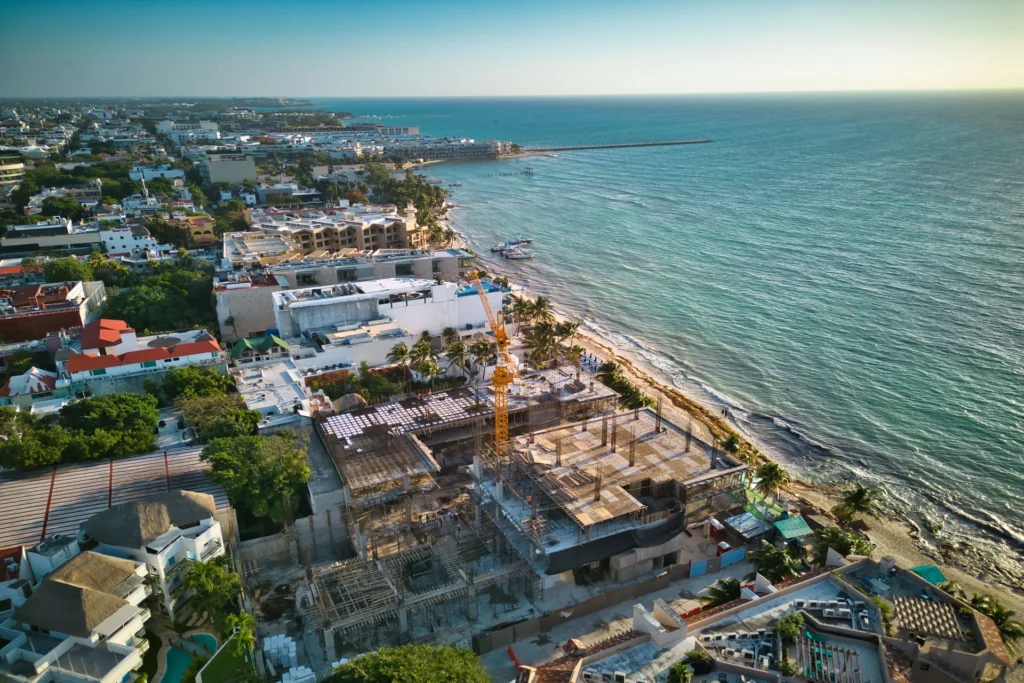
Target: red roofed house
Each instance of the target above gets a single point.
(111, 352)
(34, 385)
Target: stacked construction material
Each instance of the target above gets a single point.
(281, 651)
(299, 674)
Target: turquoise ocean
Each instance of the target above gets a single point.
(844, 272)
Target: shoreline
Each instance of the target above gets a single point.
(892, 535)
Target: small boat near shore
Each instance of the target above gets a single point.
(519, 239)
(518, 254)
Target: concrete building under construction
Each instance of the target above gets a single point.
(449, 537)
(427, 560)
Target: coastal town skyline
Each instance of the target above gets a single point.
(457, 49)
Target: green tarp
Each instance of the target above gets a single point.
(930, 573)
(257, 345)
(793, 527)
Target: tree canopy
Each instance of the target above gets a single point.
(66, 270)
(110, 426)
(258, 472)
(192, 380)
(421, 663)
(173, 297)
(216, 415)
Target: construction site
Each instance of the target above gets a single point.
(464, 511)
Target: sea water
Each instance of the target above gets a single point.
(845, 272)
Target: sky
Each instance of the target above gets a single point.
(436, 48)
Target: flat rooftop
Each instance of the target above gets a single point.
(369, 289)
(273, 389)
(570, 478)
(58, 500)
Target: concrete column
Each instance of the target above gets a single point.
(471, 608)
(403, 621)
(332, 657)
(477, 517)
(477, 468)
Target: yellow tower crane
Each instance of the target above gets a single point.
(504, 374)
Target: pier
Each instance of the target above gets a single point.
(665, 143)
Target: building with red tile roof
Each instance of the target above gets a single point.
(33, 311)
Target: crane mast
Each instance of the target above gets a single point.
(504, 374)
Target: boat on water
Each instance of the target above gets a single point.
(518, 254)
(500, 248)
(454, 184)
(519, 239)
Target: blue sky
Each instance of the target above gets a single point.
(527, 47)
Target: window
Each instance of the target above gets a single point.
(403, 269)
(346, 275)
(149, 364)
(97, 373)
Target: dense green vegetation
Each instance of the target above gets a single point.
(261, 475)
(215, 587)
(426, 197)
(773, 563)
(112, 273)
(217, 416)
(172, 297)
(722, 591)
(194, 381)
(1011, 629)
(110, 426)
(843, 542)
(630, 395)
(420, 663)
(789, 625)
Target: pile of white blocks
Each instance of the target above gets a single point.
(280, 651)
(299, 674)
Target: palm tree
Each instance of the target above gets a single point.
(244, 627)
(500, 281)
(455, 354)
(425, 336)
(574, 353)
(1010, 629)
(481, 351)
(399, 355)
(731, 443)
(723, 591)
(953, 588)
(542, 343)
(772, 478)
(567, 330)
(542, 310)
(522, 310)
(449, 335)
(843, 542)
(857, 500)
(774, 564)
(422, 351)
(428, 370)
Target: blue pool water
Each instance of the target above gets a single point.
(179, 659)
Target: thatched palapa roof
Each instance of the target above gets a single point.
(65, 608)
(138, 523)
(98, 572)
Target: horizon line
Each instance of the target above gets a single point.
(862, 91)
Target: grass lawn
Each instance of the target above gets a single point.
(225, 666)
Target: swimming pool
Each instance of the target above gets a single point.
(178, 659)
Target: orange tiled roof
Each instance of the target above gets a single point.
(102, 333)
(87, 362)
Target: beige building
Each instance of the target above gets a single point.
(232, 169)
(245, 307)
(360, 227)
(254, 249)
(12, 170)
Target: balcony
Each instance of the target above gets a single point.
(145, 614)
(210, 549)
(142, 646)
(176, 570)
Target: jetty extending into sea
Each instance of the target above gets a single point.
(663, 143)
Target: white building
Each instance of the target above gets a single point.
(168, 532)
(128, 242)
(111, 352)
(149, 172)
(83, 622)
(344, 325)
(188, 132)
